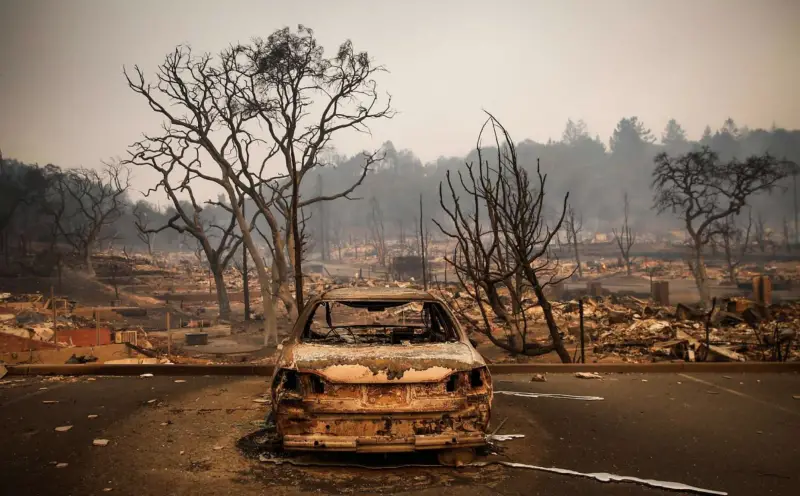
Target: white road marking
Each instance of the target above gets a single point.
(741, 395)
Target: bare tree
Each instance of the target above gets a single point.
(216, 243)
(734, 242)
(376, 229)
(703, 190)
(143, 232)
(573, 225)
(507, 251)
(625, 237)
(219, 106)
(84, 202)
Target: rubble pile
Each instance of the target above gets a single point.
(26, 324)
(629, 329)
(633, 330)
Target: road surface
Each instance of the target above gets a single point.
(738, 434)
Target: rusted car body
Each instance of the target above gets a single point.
(400, 376)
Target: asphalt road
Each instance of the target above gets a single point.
(739, 434)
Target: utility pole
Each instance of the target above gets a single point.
(322, 241)
(55, 324)
(245, 280)
(796, 233)
(169, 338)
(422, 246)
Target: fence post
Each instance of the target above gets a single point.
(169, 338)
(580, 310)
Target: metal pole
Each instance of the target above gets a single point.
(580, 309)
(169, 338)
(96, 327)
(422, 246)
(796, 233)
(245, 279)
(53, 305)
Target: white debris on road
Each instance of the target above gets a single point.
(550, 395)
(100, 442)
(146, 375)
(606, 477)
(63, 428)
(588, 375)
(503, 437)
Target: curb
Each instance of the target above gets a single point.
(138, 369)
(496, 369)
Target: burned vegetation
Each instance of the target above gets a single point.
(502, 256)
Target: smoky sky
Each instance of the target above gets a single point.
(533, 64)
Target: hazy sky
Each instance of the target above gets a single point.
(532, 63)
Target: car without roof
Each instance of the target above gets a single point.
(380, 370)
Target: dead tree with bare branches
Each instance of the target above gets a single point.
(625, 237)
(217, 243)
(277, 98)
(502, 243)
(734, 241)
(84, 203)
(703, 190)
(142, 223)
(573, 225)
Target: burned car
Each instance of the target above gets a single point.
(380, 370)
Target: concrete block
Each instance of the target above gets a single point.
(659, 292)
(595, 288)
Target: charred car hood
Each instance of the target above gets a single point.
(382, 364)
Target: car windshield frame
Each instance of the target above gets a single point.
(437, 325)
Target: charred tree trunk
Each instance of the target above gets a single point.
(222, 292)
(547, 309)
(87, 259)
(728, 250)
(270, 319)
(698, 268)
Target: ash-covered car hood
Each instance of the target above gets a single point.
(381, 364)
